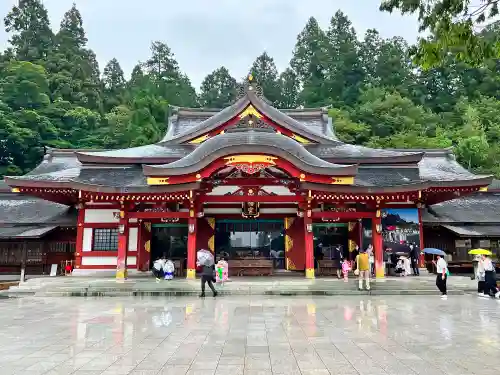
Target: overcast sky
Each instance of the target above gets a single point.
(206, 34)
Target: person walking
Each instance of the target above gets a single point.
(363, 269)
(371, 259)
(442, 270)
(480, 276)
(207, 276)
(490, 281)
(414, 256)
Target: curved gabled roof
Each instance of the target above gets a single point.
(251, 142)
(250, 98)
(154, 153)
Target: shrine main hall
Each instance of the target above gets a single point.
(260, 186)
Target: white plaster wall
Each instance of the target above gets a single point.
(133, 233)
(87, 239)
(106, 261)
(98, 261)
(101, 216)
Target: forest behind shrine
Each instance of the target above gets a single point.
(53, 93)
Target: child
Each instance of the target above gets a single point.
(346, 267)
(221, 271)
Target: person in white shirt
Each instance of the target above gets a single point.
(489, 278)
(441, 267)
(158, 269)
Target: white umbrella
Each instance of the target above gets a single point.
(205, 258)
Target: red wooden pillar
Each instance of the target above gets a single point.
(309, 245)
(191, 247)
(378, 246)
(421, 237)
(121, 259)
(144, 246)
(79, 237)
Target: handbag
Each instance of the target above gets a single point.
(356, 272)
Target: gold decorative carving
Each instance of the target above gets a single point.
(147, 226)
(342, 181)
(288, 243)
(289, 222)
(250, 159)
(350, 226)
(147, 246)
(211, 244)
(211, 222)
(250, 111)
(158, 181)
(300, 139)
(352, 246)
(291, 265)
(199, 140)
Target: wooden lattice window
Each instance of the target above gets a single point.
(105, 240)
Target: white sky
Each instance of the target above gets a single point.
(206, 34)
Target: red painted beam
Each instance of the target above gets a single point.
(256, 198)
(158, 215)
(343, 215)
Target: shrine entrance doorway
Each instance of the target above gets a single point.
(259, 240)
(169, 240)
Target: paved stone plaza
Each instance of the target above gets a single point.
(250, 335)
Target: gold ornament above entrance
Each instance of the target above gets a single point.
(250, 111)
(250, 164)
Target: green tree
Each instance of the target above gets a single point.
(29, 24)
(453, 26)
(74, 71)
(218, 89)
(288, 84)
(310, 62)
(24, 86)
(265, 74)
(114, 85)
(344, 73)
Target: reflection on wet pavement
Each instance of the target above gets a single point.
(250, 335)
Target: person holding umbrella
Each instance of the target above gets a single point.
(479, 270)
(441, 270)
(489, 277)
(205, 260)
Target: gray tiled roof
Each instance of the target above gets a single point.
(250, 142)
(19, 209)
(186, 119)
(479, 208)
(475, 230)
(25, 231)
(116, 177)
(386, 176)
(342, 150)
(443, 168)
(148, 151)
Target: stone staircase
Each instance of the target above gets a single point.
(284, 286)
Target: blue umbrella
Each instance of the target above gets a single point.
(430, 250)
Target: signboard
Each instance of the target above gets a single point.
(53, 270)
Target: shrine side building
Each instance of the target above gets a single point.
(248, 168)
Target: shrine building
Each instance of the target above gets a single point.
(255, 184)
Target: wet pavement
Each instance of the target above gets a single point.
(250, 335)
